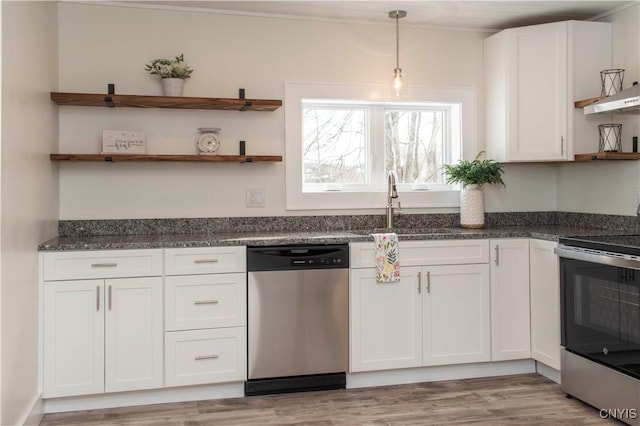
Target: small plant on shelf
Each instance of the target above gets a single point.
(169, 68)
(476, 172)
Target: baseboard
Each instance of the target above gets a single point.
(34, 415)
(548, 372)
(233, 390)
(155, 396)
(439, 373)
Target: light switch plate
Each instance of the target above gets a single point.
(255, 197)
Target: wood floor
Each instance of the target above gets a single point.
(527, 399)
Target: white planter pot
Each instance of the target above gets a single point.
(172, 86)
(471, 207)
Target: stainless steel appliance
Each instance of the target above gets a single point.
(298, 318)
(600, 314)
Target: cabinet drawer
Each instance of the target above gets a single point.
(102, 264)
(205, 260)
(422, 253)
(205, 356)
(205, 301)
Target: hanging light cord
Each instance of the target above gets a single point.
(397, 40)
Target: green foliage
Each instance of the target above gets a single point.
(476, 172)
(169, 68)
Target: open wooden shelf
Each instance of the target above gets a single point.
(586, 102)
(607, 156)
(176, 102)
(114, 158)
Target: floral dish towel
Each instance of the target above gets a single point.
(387, 263)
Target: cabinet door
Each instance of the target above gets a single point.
(545, 303)
(73, 338)
(537, 92)
(456, 314)
(510, 325)
(133, 334)
(385, 321)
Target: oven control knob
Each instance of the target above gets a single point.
(605, 351)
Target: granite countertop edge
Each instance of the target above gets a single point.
(159, 241)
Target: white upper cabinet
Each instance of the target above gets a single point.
(532, 76)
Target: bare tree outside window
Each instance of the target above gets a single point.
(415, 145)
(334, 145)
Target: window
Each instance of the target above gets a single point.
(334, 146)
(341, 145)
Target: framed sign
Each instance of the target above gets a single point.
(123, 142)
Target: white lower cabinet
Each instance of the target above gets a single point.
(456, 314)
(102, 336)
(510, 319)
(205, 315)
(435, 314)
(545, 303)
(112, 322)
(386, 321)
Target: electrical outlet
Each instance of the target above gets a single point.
(255, 197)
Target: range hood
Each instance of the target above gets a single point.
(624, 102)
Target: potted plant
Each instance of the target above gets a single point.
(173, 73)
(472, 175)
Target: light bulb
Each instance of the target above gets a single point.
(398, 83)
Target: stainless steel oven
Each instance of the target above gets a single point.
(600, 330)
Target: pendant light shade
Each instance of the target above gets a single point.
(399, 81)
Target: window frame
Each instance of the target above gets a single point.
(295, 92)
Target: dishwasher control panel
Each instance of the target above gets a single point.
(321, 261)
(278, 258)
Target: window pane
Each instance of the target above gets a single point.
(334, 145)
(415, 145)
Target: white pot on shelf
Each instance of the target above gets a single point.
(471, 207)
(172, 86)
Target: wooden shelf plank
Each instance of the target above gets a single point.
(114, 158)
(176, 102)
(607, 156)
(586, 102)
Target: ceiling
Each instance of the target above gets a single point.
(470, 14)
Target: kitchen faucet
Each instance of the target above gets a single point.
(391, 194)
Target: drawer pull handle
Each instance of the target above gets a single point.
(205, 302)
(202, 357)
(104, 265)
(205, 261)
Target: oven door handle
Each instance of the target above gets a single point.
(595, 257)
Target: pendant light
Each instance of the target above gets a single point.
(399, 82)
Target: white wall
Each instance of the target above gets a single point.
(29, 193)
(610, 187)
(102, 44)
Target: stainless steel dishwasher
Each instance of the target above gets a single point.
(298, 318)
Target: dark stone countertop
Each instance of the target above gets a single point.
(117, 242)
